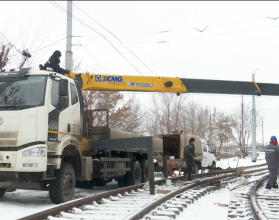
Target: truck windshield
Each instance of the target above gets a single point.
(21, 93)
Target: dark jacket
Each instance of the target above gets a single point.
(189, 152)
(271, 156)
(53, 62)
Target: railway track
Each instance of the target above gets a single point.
(265, 202)
(134, 202)
(254, 202)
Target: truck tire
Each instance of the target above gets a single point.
(62, 188)
(213, 165)
(2, 192)
(144, 171)
(100, 182)
(122, 181)
(196, 168)
(86, 184)
(133, 177)
(110, 180)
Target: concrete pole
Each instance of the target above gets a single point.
(242, 130)
(69, 53)
(254, 157)
(150, 153)
(262, 134)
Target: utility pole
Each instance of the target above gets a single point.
(242, 129)
(69, 53)
(254, 157)
(210, 130)
(262, 134)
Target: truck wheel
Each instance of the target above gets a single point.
(196, 168)
(100, 182)
(144, 171)
(121, 182)
(2, 192)
(133, 177)
(62, 188)
(86, 184)
(109, 180)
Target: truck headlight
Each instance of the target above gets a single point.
(35, 152)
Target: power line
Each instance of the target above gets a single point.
(62, 9)
(116, 38)
(49, 45)
(92, 57)
(184, 29)
(213, 35)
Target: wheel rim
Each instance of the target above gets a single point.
(67, 184)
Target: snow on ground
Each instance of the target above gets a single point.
(21, 203)
(234, 162)
(25, 202)
(207, 207)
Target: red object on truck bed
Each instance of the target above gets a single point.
(169, 168)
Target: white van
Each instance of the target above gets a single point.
(173, 146)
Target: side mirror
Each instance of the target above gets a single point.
(63, 87)
(63, 94)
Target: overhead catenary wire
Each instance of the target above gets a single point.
(116, 38)
(206, 36)
(83, 23)
(92, 57)
(185, 29)
(48, 45)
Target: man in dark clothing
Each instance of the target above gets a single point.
(54, 61)
(271, 157)
(189, 153)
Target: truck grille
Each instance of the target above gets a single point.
(8, 139)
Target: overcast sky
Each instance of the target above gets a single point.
(239, 39)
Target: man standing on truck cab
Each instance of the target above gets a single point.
(189, 152)
(271, 157)
(53, 62)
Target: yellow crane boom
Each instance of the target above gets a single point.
(107, 82)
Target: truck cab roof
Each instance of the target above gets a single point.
(10, 73)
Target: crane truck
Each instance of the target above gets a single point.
(47, 138)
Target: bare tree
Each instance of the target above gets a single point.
(247, 124)
(4, 53)
(125, 112)
(224, 125)
(165, 114)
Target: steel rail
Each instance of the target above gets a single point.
(141, 213)
(83, 201)
(252, 196)
(148, 208)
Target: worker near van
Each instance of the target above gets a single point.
(53, 62)
(271, 157)
(189, 154)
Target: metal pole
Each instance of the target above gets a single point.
(254, 157)
(151, 167)
(242, 129)
(165, 166)
(69, 53)
(262, 135)
(210, 130)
